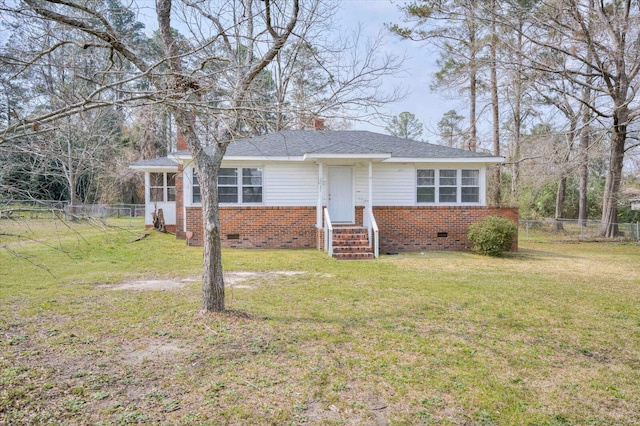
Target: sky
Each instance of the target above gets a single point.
(427, 105)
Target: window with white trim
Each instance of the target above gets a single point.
(251, 185)
(447, 186)
(470, 186)
(195, 189)
(241, 185)
(162, 187)
(228, 185)
(426, 181)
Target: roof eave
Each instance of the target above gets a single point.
(154, 168)
(488, 160)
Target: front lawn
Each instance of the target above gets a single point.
(547, 336)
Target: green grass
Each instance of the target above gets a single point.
(546, 336)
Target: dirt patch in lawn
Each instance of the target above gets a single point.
(233, 279)
(152, 350)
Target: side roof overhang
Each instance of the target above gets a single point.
(161, 164)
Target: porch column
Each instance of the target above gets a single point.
(148, 220)
(370, 202)
(320, 198)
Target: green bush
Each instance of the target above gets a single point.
(492, 235)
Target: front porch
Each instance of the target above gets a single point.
(418, 228)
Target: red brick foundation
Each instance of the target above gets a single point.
(259, 226)
(432, 228)
(401, 228)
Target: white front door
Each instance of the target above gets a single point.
(341, 204)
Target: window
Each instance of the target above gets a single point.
(251, 185)
(162, 187)
(426, 186)
(228, 186)
(195, 189)
(171, 186)
(470, 186)
(156, 186)
(235, 186)
(448, 186)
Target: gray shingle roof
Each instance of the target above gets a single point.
(155, 162)
(296, 143)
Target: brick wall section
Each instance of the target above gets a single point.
(181, 144)
(359, 215)
(417, 227)
(194, 224)
(401, 228)
(180, 234)
(259, 226)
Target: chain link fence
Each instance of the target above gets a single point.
(131, 214)
(573, 229)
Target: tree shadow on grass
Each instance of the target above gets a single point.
(532, 255)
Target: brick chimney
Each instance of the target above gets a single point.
(318, 123)
(181, 143)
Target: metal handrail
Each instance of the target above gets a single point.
(372, 227)
(328, 233)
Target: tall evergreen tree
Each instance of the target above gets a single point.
(405, 126)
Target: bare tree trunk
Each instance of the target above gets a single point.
(212, 280)
(70, 171)
(515, 164)
(495, 108)
(583, 169)
(207, 167)
(609, 227)
(473, 87)
(560, 194)
(585, 135)
(517, 111)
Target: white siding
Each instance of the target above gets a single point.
(296, 183)
(362, 185)
(187, 176)
(394, 184)
(284, 184)
(168, 211)
(290, 184)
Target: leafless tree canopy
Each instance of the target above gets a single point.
(220, 69)
(572, 65)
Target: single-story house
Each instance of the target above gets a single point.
(353, 193)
